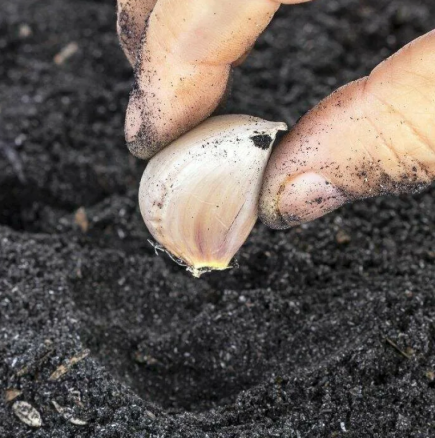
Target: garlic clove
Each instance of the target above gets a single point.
(199, 196)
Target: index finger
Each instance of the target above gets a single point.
(184, 65)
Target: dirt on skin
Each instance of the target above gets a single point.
(326, 330)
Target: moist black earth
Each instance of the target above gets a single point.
(324, 330)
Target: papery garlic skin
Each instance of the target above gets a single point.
(199, 196)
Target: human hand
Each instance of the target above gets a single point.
(373, 136)
(183, 52)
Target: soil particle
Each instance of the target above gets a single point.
(293, 343)
(262, 141)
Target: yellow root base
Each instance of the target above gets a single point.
(197, 271)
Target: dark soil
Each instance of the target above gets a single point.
(326, 330)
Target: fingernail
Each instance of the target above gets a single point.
(307, 197)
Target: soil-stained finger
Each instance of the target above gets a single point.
(373, 136)
(186, 57)
(131, 21)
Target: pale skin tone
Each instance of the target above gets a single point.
(373, 136)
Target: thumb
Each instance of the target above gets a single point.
(374, 136)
